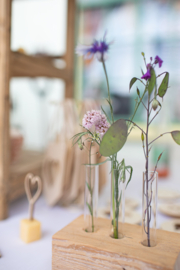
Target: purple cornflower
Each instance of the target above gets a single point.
(97, 48)
(95, 121)
(147, 75)
(158, 60)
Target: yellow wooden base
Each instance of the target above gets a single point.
(30, 230)
(73, 248)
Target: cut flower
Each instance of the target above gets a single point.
(147, 75)
(96, 121)
(97, 48)
(158, 60)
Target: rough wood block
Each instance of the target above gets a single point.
(73, 248)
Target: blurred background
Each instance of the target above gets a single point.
(39, 28)
(50, 88)
(45, 89)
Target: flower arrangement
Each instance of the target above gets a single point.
(110, 135)
(153, 92)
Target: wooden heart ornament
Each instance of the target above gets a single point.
(31, 179)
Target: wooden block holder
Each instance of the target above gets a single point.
(73, 248)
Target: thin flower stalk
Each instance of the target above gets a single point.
(152, 104)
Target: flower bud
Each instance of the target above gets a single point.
(142, 54)
(138, 92)
(142, 136)
(80, 145)
(160, 156)
(155, 104)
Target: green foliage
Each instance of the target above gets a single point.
(88, 186)
(138, 93)
(122, 169)
(130, 174)
(176, 136)
(164, 85)
(90, 210)
(133, 80)
(119, 201)
(76, 138)
(96, 164)
(151, 81)
(114, 139)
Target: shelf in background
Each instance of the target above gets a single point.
(23, 65)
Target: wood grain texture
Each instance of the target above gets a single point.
(73, 248)
(5, 22)
(23, 65)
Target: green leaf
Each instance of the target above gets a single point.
(164, 85)
(78, 134)
(75, 140)
(90, 210)
(152, 81)
(116, 175)
(88, 186)
(176, 136)
(96, 164)
(133, 80)
(114, 139)
(130, 176)
(119, 201)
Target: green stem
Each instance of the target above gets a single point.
(107, 81)
(113, 202)
(113, 166)
(91, 187)
(147, 173)
(138, 105)
(117, 204)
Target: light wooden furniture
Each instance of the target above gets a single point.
(73, 248)
(13, 64)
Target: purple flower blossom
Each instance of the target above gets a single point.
(97, 48)
(96, 122)
(147, 75)
(158, 60)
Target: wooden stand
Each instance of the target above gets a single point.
(73, 248)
